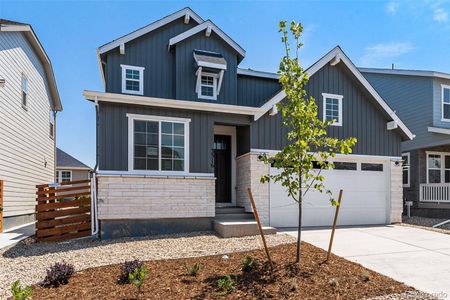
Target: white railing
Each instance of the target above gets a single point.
(435, 192)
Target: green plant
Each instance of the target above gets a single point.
(127, 268)
(248, 264)
(20, 293)
(137, 278)
(308, 141)
(194, 269)
(226, 285)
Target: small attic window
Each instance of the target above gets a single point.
(210, 69)
(132, 80)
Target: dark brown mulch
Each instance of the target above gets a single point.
(167, 279)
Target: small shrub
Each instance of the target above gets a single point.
(194, 269)
(58, 274)
(137, 278)
(226, 285)
(128, 267)
(248, 264)
(20, 293)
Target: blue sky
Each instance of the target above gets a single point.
(410, 34)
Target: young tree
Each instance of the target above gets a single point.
(308, 142)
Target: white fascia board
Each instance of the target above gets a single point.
(170, 103)
(343, 58)
(203, 26)
(211, 65)
(255, 73)
(146, 29)
(421, 73)
(439, 130)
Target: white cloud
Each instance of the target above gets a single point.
(391, 8)
(440, 15)
(383, 54)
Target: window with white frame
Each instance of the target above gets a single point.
(24, 90)
(158, 144)
(406, 167)
(332, 108)
(445, 102)
(52, 123)
(63, 176)
(132, 80)
(208, 86)
(438, 167)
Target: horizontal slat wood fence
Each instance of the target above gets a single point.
(63, 212)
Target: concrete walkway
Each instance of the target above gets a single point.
(417, 257)
(14, 235)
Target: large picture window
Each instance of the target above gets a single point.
(438, 167)
(446, 103)
(158, 144)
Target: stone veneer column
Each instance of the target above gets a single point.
(396, 186)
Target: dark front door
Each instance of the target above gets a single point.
(222, 167)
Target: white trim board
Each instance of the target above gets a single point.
(207, 26)
(335, 56)
(146, 29)
(250, 72)
(146, 174)
(439, 130)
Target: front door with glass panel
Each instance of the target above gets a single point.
(222, 168)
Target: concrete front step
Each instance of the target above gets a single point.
(236, 216)
(237, 228)
(230, 210)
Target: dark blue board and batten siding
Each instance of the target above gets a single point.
(362, 117)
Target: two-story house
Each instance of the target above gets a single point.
(422, 100)
(29, 101)
(181, 126)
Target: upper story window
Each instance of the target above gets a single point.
(445, 102)
(24, 91)
(332, 108)
(132, 80)
(52, 123)
(158, 144)
(208, 86)
(438, 167)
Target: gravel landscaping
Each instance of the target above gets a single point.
(28, 261)
(426, 223)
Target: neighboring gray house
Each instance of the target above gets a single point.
(29, 101)
(422, 100)
(181, 126)
(68, 168)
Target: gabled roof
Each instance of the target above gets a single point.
(208, 26)
(64, 160)
(336, 55)
(256, 73)
(422, 73)
(27, 30)
(185, 12)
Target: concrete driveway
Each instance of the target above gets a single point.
(417, 257)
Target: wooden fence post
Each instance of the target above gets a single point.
(334, 224)
(255, 212)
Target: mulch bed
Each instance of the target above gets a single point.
(167, 279)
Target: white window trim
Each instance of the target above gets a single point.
(22, 77)
(408, 155)
(443, 169)
(332, 96)
(443, 86)
(59, 175)
(141, 79)
(214, 76)
(132, 118)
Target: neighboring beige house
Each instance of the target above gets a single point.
(29, 101)
(68, 168)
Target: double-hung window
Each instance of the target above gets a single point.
(132, 80)
(63, 176)
(445, 91)
(158, 144)
(438, 167)
(208, 86)
(332, 108)
(406, 169)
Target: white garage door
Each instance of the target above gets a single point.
(365, 198)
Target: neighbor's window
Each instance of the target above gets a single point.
(332, 108)
(52, 123)
(438, 167)
(406, 169)
(445, 102)
(132, 80)
(208, 87)
(63, 176)
(159, 145)
(24, 91)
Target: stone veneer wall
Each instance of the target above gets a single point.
(248, 173)
(152, 197)
(396, 180)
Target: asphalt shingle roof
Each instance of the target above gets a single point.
(66, 160)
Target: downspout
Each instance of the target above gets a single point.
(55, 155)
(94, 212)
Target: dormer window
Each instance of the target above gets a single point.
(211, 68)
(132, 80)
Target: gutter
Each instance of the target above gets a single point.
(94, 202)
